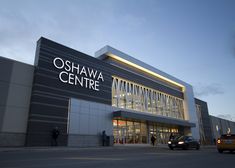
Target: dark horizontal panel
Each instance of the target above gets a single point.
(46, 127)
(100, 97)
(50, 119)
(46, 109)
(49, 100)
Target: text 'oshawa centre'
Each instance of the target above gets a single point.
(84, 95)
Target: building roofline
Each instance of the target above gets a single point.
(14, 60)
(108, 51)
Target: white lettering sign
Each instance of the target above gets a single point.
(74, 74)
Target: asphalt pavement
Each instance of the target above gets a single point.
(113, 157)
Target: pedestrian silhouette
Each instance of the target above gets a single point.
(104, 138)
(153, 139)
(55, 134)
(171, 137)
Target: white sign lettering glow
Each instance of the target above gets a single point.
(75, 74)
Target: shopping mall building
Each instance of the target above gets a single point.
(84, 95)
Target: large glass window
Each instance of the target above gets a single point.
(129, 95)
(129, 132)
(162, 132)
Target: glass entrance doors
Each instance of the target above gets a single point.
(161, 132)
(136, 132)
(119, 131)
(130, 132)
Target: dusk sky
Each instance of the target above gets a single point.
(193, 40)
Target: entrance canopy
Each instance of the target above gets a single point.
(152, 118)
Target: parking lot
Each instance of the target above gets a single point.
(114, 157)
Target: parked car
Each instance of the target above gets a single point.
(226, 143)
(184, 142)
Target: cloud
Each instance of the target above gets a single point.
(80, 25)
(20, 28)
(226, 117)
(206, 90)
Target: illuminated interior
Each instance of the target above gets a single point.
(136, 132)
(129, 95)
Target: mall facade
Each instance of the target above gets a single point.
(84, 95)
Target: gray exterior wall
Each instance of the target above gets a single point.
(15, 88)
(190, 110)
(222, 126)
(206, 122)
(49, 104)
(87, 120)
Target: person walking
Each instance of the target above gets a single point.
(104, 138)
(55, 134)
(153, 139)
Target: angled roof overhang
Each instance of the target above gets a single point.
(151, 118)
(108, 51)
